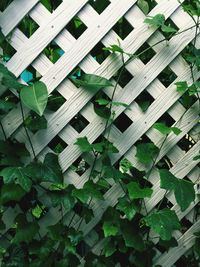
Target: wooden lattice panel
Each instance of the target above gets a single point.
(144, 78)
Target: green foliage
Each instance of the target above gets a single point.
(35, 97)
(146, 152)
(92, 82)
(183, 190)
(144, 6)
(136, 192)
(164, 129)
(159, 21)
(163, 222)
(37, 189)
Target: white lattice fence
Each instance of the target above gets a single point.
(144, 79)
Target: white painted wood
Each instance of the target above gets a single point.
(14, 14)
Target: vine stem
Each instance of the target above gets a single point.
(25, 128)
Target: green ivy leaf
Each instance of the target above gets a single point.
(181, 86)
(127, 208)
(84, 144)
(135, 192)
(112, 172)
(92, 81)
(132, 237)
(25, 232)
(146, 152)
(16, 175)
(144, 6)
(89, 190)
(183, 190)
(102, 111)
(114, 48)
(8, 79)
(49, 171)
(109, 248)
(103, 102)
(35, 97)
(37, 211)
(163, 222)
(11, 192)
(164, 129)
(156, 21)
(62, 197)
(110, 229)
(34, 122)
(168, 28)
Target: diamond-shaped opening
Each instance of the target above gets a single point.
(98, 53)
(188, 259)
(10, 97)
(80, 166)
(169, 23)
(30, 75)
(123, 28)
(166, 119)
(76, 27)
(186, 53)
(55, 101)
(5, 4)
(28, 26)
(186, 224)
(8, 50)
(76, 73)
(122, 122)
(125, 77)
(79, 123)
(53, 52)
(57, 144)
(99, 5)
(144, 100)
(51, 5)
(151, 5)
(164, 163)
(165, 244)
(145, 53)
(164, 203)
(167, 77)
(186, 143)
(187, 100)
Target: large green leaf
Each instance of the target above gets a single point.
(35, 97)
(89, 190)
(127, 208)
(163, 222)
(92, 81)
(62, 197)
(135, 192)
(110, 229)
(146, 152)
(164, 129)
(11, 192)
(49, 171)
(8, 79)
(16, 175)
(132, 237)
(25, 231)
(183, 190)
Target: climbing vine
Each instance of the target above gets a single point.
(31, 187)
